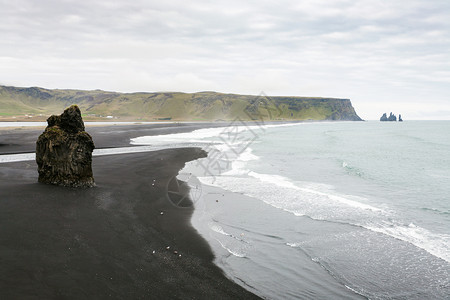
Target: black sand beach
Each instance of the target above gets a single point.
(109, 241)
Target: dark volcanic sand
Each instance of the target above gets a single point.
(97, 243)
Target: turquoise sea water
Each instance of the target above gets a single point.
(400, 170)
(327, 210)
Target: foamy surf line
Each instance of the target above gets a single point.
(7, 158)
(200, 134)
(437, 245)
(286, 183)
(44, 124)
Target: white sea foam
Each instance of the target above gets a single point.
(207, 180)
(229, 242)
(235, 252)
(248, 155)
(281, 193)
(286, 183)
(353, 290)
(218, 229)
(283, 125)
(435, 244)
(225, 134)
(284, 194)
(186, 137)
(124, 150)
(17, 157)
(40, 124)
(23, 124)
(302, 200)
(239, 165)
(97, 152)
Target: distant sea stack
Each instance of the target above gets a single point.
(391, 118)
(64, 151)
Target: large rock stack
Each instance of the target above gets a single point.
(64, 151)
(391, 118)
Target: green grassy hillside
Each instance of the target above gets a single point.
(39, 103)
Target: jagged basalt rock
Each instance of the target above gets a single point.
(391, 118)
(64, 151)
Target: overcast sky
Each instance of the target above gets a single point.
(385, 55)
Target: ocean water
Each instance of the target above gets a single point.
(326, 210)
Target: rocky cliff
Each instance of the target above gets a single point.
(64, 151)
(203, 106)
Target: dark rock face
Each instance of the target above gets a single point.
(343, 111)
(391, 118)
(64, 151)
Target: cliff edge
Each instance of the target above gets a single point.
(35, 104)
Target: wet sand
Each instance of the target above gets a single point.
(109, 241)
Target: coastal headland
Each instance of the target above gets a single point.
(37, 104)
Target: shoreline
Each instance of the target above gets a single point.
(23, 140)
(107, 241)
(226, 219)
(236, 250)
(277, 239)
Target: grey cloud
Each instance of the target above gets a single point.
(315, 47)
